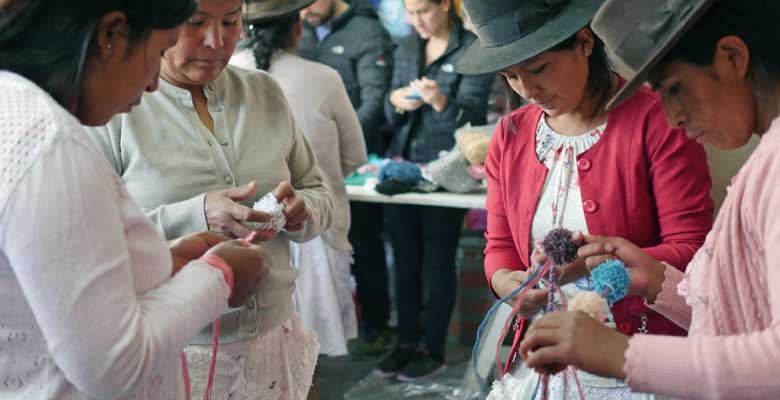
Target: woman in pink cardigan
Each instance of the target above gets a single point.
(717, 68)
(565, 161)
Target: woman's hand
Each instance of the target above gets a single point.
(504, 281)
(402, 99)
(225, 215)
(248, 264)
(647, 274)
(565, 273)
(294, 207)
(560, 339)
(192, 247)
(430, 93)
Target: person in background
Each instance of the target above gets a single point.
(224, 136)
(94, 304)
(581, 167)
(319, 103)
(428, 102)
(349, 38)
(715, 64)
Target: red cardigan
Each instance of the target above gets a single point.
(642, 181)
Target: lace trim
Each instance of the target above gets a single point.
(276, 365)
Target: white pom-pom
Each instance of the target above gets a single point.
(270, 205)
(590, 303)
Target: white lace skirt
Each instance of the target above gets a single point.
(323, 294)
(520, 385)
(278, 364)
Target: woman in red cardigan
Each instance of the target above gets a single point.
(564, 161)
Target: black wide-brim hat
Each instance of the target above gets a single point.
(513, 31)
(257, 11)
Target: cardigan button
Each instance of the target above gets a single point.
(624, 327)
(584, 164)
(590, 206)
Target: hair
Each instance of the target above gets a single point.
(452, 12)
(265, 37)
(599, 74)
(754, 21)
(47, 41)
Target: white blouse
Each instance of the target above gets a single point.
(88, 307)
(560, 203)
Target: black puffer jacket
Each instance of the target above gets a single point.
(361, 50)
(419, 136)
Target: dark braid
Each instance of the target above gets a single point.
(266, 37)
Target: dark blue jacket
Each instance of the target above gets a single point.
(419, 136)
(361, 50)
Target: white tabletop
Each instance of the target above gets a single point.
(440, 199)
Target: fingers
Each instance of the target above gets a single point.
(595, 248)
(538, 257)
(260, 236)
(533, 302)
(246, 214)
(237, 230)
(578, 238)
(595, 261)
(212, 238)
(241, 193)
(296, 213)
(283, 190)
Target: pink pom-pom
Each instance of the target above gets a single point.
(590, 303)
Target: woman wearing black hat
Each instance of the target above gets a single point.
(565, 161)
(93, 303)
(717, 68)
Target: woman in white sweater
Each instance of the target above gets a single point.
(93, 303)
(320, 104)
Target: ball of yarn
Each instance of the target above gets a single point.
(559, 246)
(611, 279)
(402, 171)
(590, 303)
(476, 151)
(269, 204)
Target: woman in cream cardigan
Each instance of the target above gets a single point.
(214, 137)
(320, 104)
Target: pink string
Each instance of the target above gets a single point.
(213, 367)
(220, 264)
(515, 310)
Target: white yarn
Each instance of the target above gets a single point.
(270, 205)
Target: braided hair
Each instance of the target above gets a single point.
(265, 37)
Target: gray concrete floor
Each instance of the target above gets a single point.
(351, 378)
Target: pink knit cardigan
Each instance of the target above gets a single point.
(727, 298)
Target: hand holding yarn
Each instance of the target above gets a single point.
(646, 274)
(403, 99)
(560, 339)
(287, 210)
(568, 272)
(225, 215)
(247, 262)
(191, 247)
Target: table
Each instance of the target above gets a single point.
(439, 199)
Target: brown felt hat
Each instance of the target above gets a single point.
(256, 11)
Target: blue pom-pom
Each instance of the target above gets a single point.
(613, 276)
(402, 171)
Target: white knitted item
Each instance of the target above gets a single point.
(269, 204)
